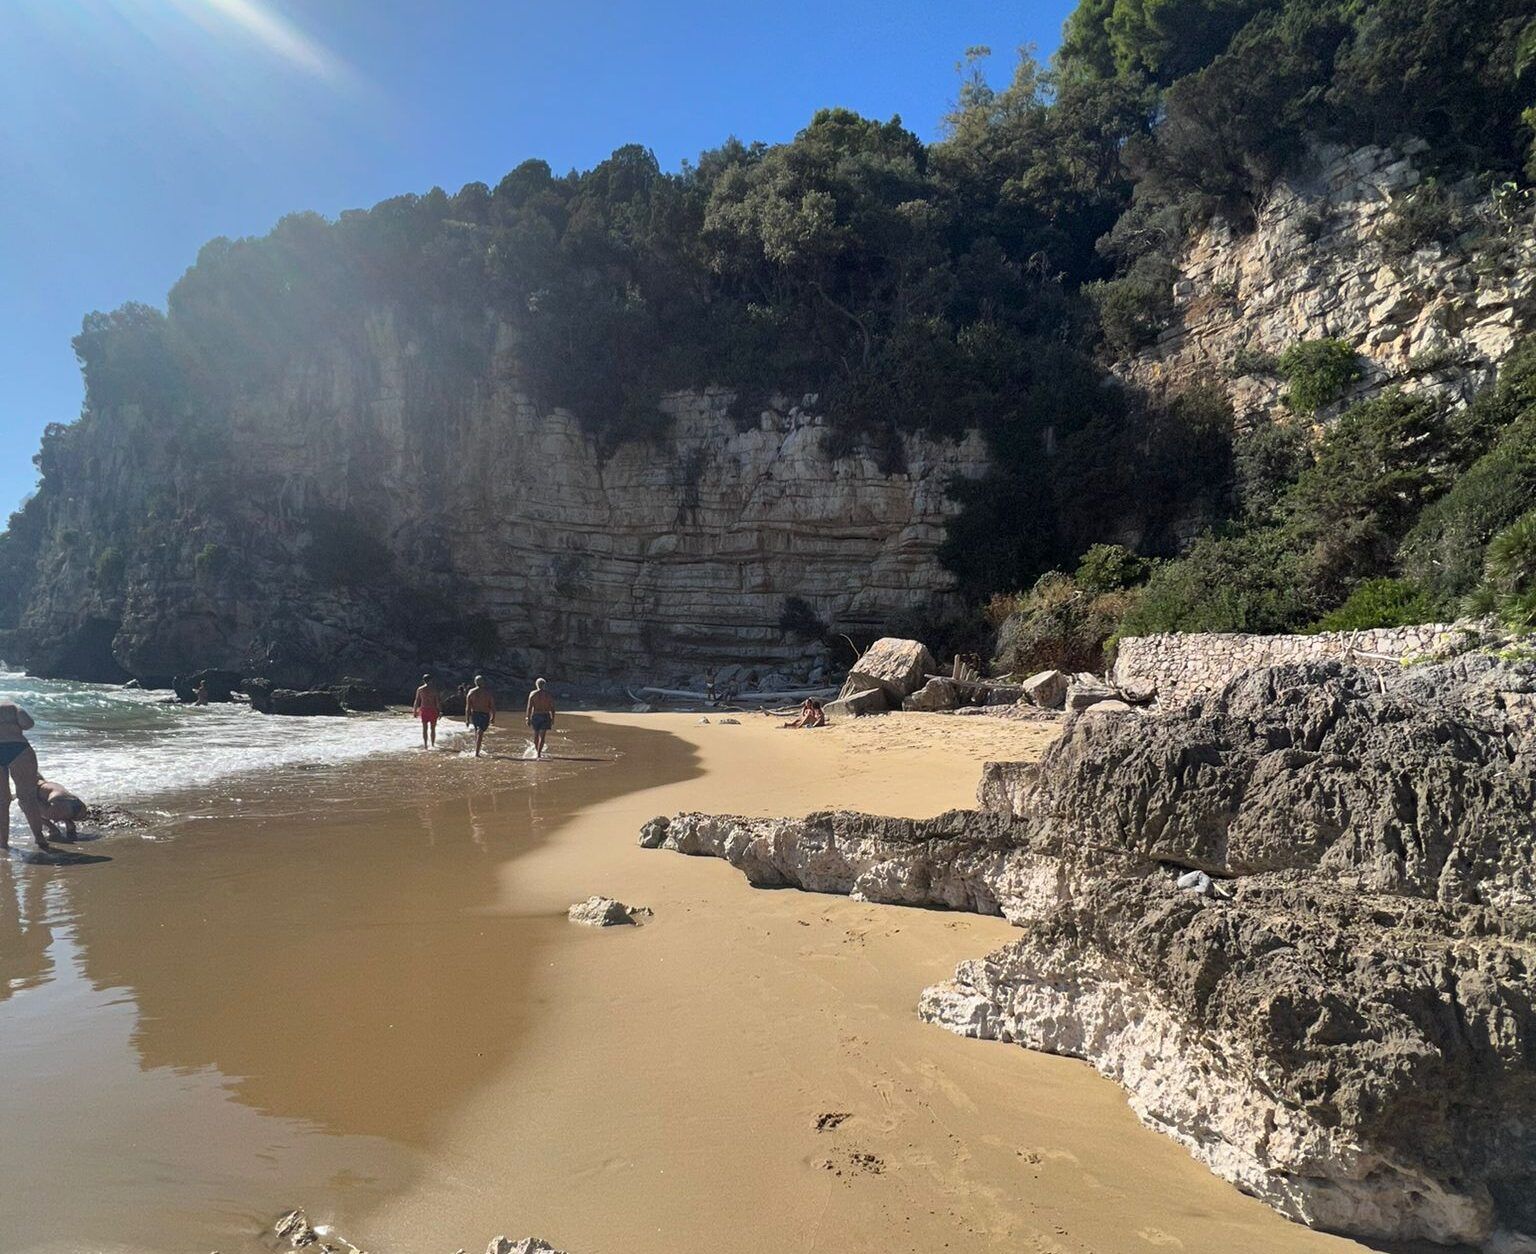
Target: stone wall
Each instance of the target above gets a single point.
(1314, 265)
(1183, 667)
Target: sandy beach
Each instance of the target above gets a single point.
(357, 991)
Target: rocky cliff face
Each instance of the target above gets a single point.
(1321, 261)
(1341, 1022)
(370, 513)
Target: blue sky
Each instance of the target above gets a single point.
(131, 131)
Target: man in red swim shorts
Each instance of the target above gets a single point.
(428, 707)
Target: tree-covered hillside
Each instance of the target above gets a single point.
(982, 281)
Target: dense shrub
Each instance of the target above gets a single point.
(1426, 216)
(1059, 625)
(1268, 459)
(1383, 602)
(1109, 568)
(1241, 582)
(1319, 372)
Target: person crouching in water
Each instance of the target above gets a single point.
(59, 805)
(479, 710)
(540, 714)
(428, 708)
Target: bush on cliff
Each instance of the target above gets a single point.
(1059, 625)
(1384, 602)
(1319, 372)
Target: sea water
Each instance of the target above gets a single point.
(116, 746)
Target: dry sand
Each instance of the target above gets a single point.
(747, 1073)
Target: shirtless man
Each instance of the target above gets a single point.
(540, 714)
(59, 805)
(428, 708)
(479, 710)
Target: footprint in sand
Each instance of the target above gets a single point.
(1156, 1236)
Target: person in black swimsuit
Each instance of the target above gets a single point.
(18, 765)
(479, 710)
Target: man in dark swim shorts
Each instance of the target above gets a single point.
(479, 710)
(540, 714)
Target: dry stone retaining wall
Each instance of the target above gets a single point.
(1184, 666)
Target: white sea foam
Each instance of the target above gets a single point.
(114, 745)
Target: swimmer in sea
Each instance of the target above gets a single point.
(59, 806)
(18, 765)
(540, 714)
(479, 710)
(428, 708)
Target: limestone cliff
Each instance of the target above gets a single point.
(1321, 260)
(370, 513)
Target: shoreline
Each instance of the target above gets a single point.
(447, 1058)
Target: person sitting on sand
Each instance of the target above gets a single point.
(18, 765)
(540, 714)
(59, 806)
(479, 710)
(811, 715)
(428, 708)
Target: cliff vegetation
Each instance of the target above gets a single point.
(987, 281)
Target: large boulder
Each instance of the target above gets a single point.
(897, 667)
(357, 694)
(936, 694)
(260, 693)
(222, 685)
(316, 701)
(1046, 689)
(853, 704)
(1083, 693)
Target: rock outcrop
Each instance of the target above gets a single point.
(377, 511)
(1345, 1026)
(898, 668)
(1318, 262)
(605, 912)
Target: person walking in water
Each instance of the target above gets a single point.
(479, 710)
(18, 765)
(428, 708)
(540, 714)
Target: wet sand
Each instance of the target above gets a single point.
(356, 991)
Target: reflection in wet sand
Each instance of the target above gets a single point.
(288, 995)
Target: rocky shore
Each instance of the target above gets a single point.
(1336, 1013)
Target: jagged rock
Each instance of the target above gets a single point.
(1412, 781)
(729, 722)
(318, 701)
(605, 912)
(642, 707)
(1081, 694)
(866, 701)
(1110, 705)
(528, 1245)
(221, 685)
(357, 695)
(654, 833)
(898, 668)
(1344, 1027)
(936, 694)
(260, 693)
(1046, 689)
